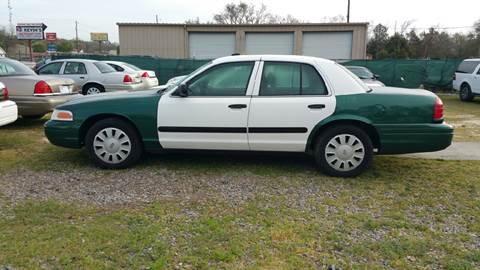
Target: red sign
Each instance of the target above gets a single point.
(51, 36)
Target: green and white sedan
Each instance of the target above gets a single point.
(257, 103)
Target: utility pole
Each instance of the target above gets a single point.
(348, 12)
(76, 35)
(10, 21)
(156, 18)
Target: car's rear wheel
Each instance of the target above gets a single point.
(344, 151)
(466, 93)
(113, 144)
(93, 89)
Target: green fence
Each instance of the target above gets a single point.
(436, 74)
(164, 68)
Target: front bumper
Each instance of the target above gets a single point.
(8, 112)
(62, 133)
(39, 105)
(414, 138)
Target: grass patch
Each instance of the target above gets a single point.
(464, 116)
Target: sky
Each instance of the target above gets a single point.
(102, 15)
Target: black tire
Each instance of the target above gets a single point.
(33, 117)
(465, 93)
(135, 151)
(351, 134)
(89, 88)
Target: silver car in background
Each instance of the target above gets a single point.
(149, 78)
(370, 79)
(91, 76)
(35, 95)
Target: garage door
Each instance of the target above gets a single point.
(210, 45)
(330, 45)
(269, 43)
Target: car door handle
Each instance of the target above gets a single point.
(237, 106)
(316, 106)
(82, 77)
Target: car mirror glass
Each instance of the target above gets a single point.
(182, 90)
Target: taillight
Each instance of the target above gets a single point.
(42, 87)
(438, 110)
(127, 79)
(5, 93)
(145, 75)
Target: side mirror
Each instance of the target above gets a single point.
(182, 90)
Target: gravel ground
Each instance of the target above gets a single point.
(143, 186)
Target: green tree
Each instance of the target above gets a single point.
(39, 47)
(378, 41)
(64, 46)
(397, 47)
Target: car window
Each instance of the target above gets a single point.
(10, 67)
(75, 68)
(116, 67)
(52, 68)
(468, 66)
(312, 83)
(132, 66)
(281, 78)
(222, 80)
(362, 73)
(103, 67)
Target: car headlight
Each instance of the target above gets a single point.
(62, 115)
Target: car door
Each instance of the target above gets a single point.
(75, 71)
(51, 69)
(476, 81)
(289, 101)
(215, 112)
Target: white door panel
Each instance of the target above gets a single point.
(271, 113)
(203, 113)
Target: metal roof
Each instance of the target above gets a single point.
(235, 25)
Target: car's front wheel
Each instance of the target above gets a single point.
(92, 89)
(466, 93)
(344, 151)
(113, 144)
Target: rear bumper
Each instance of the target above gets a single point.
(65, 134)
(8, 112)
(414, 138)
(125, 87)
(38, 105)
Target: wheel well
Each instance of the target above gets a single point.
(92, 83)
(88, 123)
(464, 83)
(369, 129)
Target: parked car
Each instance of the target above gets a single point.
(467, 79)
(149, 78)
(91, 76)
(2, 53)
(258, 103)
(35, 95)
(366, 76)
(8, 108)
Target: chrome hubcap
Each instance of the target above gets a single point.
(344, 152)
(93, 90)
(112, 145)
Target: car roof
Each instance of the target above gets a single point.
(270, 57)
(114, 62)
(75, 59)
(472, 59)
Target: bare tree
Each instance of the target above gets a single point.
(405, 26)
(243, 13)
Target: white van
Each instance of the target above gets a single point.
(467, 79)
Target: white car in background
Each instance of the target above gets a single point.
(91, 76)
(467, 79)
(8, 108)
(370, 79)
(149, 78)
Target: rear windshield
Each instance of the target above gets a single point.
(467, 66)
(132, 67)
(104, 68)
(10, 67)
(361, 72)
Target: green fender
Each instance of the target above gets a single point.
(335, 118)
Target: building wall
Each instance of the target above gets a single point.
(171, 40)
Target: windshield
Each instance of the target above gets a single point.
(10, 67)
(132, 66)
(104, 67)
(361, 72)
(174, 84)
